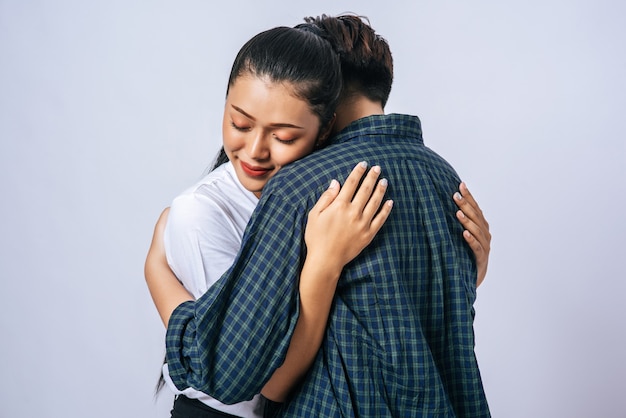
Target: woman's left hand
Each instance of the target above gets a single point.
(345, 219)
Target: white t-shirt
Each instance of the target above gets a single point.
(203, 234)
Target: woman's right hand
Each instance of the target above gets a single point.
(476, 231)
(345, 219)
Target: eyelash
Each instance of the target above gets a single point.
(285, 141)
(282, 141)
(239, 128)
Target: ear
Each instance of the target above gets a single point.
(325, 132)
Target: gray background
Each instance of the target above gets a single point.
(110, 108)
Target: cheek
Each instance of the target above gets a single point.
(288, 154)
(232, 141)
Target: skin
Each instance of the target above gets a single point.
(265, 127)
(476, 233)
(341, 224)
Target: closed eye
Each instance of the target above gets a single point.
(239, 128)
(285, 141)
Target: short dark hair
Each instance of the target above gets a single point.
(366, 61)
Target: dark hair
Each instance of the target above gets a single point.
(366, 62)
(298, 56)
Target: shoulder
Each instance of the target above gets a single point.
(295, 183)
(200, 197)
(219, 188)
(216, 196)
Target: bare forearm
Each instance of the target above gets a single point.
(316, 298)
(166, 291)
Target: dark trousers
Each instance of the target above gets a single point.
(193, 408)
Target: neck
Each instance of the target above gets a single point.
(353, 108)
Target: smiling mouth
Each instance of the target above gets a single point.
(254, 171)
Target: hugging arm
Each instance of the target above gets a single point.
(476, 231)
(240, 330)
(339, 227)
(166, 291)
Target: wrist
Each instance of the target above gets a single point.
(322, 268)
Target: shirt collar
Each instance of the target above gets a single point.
(392, 124)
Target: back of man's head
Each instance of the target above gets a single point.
(366, 61)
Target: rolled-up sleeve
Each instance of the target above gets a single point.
(228, 343)
(180, 330)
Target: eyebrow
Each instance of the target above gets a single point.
(276, 125)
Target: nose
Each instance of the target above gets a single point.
(257, 147)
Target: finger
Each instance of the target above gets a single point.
(364, 193)
(478, 238)
(352, 182)
(479, 233)
(466, 221)
(473, 243)
(465, 206)
(472, 210)
(466, 202)
(327, 197)
(373, 204)
(472, 221)
(467, 194)
(380, 218)
(482, 256)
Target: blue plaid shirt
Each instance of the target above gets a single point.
(399, 340)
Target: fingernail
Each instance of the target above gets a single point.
(457, 196)
(376, 169)
(383, 182)
(363, 164)
(461, 214)
(333, 184)
(390, 203)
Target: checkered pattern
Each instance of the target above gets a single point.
(400, 338)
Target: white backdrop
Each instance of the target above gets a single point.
(110, 108)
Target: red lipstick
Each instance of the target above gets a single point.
(254, 171)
